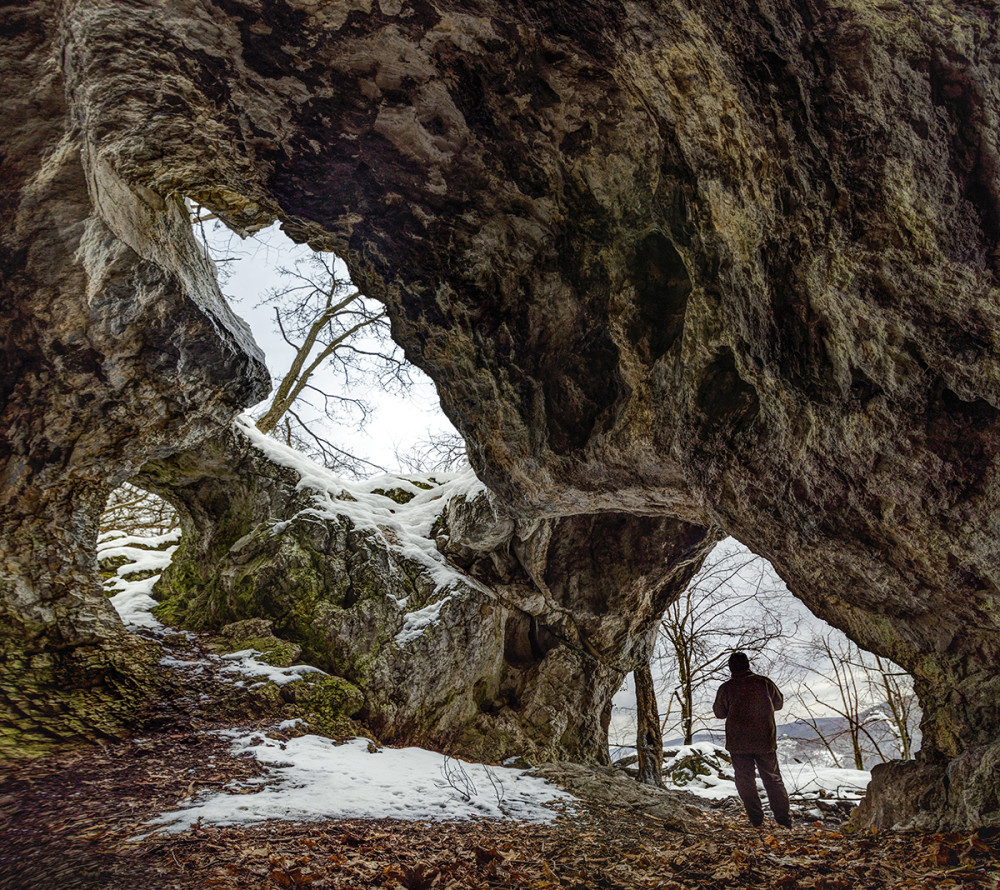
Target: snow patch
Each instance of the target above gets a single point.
(312, 778)
(415, 623)
(134, 603)
(801, 779)
(140, 559)
(246, 662)
(115, 538)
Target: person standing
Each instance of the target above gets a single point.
(747, 703)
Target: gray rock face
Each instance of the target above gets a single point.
(734, 264)
(116, 347)
(512, 646)
(934, 795)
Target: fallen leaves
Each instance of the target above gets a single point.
(71, 821)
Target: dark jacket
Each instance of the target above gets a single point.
(747, 703)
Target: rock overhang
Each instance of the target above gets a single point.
(734, 264)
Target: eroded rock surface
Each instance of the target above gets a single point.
(116, 347)
(932, 795)
(735, 264)
(463, 632)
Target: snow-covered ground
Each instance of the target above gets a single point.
(312, 778)
(132, 599)
(804, 782)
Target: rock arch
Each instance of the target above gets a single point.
(826, 173)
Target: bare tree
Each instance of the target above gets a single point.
(649, 735)
(861, 685)
(896, 685)
(443, 452)
(328, 324)
(341, 350)
(132, 511)
(223, 259)
(730, 604)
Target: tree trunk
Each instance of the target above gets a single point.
(649, 740)
(859, 759)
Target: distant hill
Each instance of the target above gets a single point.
(800, 742)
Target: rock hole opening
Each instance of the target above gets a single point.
(138, 533)
(845, 709)
(526, 641)
(343, 392)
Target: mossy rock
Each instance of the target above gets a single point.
(108, 568)
(275, 652)
(440, 527)
(255, 633)
(171, 612)
(328, 703)
(141, 575)
(687, 769)
(247, 629)
(399, 495)
(267, 699)
(68, 697)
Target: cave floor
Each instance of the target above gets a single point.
(77, 819)
(71, 820)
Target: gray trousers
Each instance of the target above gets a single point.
(770, 775)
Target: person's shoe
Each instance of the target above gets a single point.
(756, 823)
(784, 821)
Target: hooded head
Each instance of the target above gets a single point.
(738, 661)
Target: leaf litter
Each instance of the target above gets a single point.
(71, 821)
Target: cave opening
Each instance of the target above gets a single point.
(343, 391)
(138, 533)
(845, 709)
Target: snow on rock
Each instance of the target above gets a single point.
(139, 559)
(404, 528)
(415, 622)
(114, 538)
(312, 778)
(245, 662)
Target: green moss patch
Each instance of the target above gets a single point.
(275, 652)
(328, 703)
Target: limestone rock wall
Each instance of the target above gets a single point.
(733, 263)
(489, 642)
(116, 347)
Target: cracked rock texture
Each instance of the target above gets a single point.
(529, 642)
(116, 347)
(735, 264)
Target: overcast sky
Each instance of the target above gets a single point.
(398, 422)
